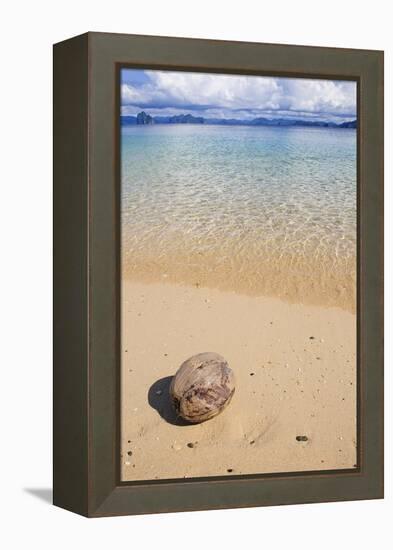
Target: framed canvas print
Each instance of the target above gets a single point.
(218, 274)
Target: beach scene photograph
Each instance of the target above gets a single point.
(238, 261)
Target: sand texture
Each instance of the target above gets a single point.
(294, 408)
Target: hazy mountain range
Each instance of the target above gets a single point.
(143, 118)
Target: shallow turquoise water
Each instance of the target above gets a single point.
(252, 209)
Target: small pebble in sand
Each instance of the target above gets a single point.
(301, 438)
(312, 337)
(229, 470)
(129, 453)
(252, 442)
(190, 445)
(126, 351)
(252, 373)
(165, 355)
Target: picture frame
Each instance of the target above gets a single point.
(86, 373)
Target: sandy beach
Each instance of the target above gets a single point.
(295, 368)
(238, 236)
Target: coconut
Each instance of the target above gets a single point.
(202, 387)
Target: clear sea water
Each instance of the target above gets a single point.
(260, 210)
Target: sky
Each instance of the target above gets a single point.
(235, 96)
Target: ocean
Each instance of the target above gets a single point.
(255, 210)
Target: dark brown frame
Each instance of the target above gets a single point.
(87, 277)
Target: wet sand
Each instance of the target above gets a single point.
(294, 408)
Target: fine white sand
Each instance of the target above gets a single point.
(295, 369)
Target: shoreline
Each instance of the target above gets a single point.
(295, 369)
(339, 293)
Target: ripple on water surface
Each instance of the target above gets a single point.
(255, 210)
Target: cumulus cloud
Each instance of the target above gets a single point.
(235, 96)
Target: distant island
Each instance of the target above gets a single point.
(143, 118)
